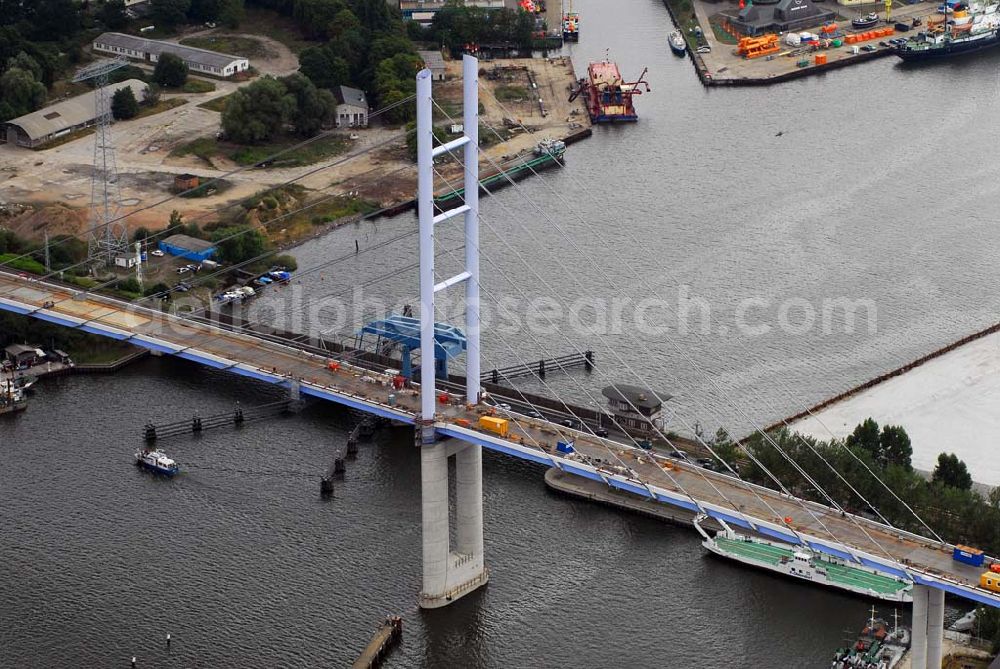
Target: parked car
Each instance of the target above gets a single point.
(533, 414)
(569, 422)
(869, 47)
(601, 432)
(680, 455)
(707, 463)
(183, 270)
(156, 252)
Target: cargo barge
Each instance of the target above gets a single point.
(546, 154)
(607, 95)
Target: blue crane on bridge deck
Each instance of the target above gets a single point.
(449, 341)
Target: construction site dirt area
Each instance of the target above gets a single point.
(837, 43)
(524, 101)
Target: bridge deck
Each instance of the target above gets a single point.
(761, 509)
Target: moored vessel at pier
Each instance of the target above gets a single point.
(677, 43)
(607, 95)
(969, 28)
(803, 563)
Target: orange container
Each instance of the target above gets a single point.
(821, 59)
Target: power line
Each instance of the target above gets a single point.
(637, 244)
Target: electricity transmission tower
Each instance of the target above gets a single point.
(107, 238)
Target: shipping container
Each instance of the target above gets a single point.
(968, 555)
(495, 425)
(565, 447)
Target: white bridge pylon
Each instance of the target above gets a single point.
(449, 574)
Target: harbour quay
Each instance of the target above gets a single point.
(761, 43)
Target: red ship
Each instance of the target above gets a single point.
(607, 95)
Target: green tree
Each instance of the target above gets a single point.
(170, 13)
(26, 63)
(176, 220)
(239, 243)
(151, 95)
(895, 446)
(866, 438)
(140, 233)
(231, 13)
(171, 71)
(952, 472)
(256, 113)
(20, 92)
(323, 68)
(204, 10)
(112, 14)
(314, 107)
(123, 104)
(375, 15)
(315, 16)
(49, 20)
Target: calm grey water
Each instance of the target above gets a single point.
(242, 562)
(880, 188)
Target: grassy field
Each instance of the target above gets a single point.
(203, 147)
(303, 224)
(247, 47)
(320, 149)
(215, 104)
(258, 21)
(161, 106)
(197, 86)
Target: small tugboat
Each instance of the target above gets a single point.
(863, 22)
(156, 462)
(877, 647)
(571, 25)
(550, 147)
(677, 43)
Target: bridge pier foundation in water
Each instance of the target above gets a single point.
(928, 627)
(449, 574)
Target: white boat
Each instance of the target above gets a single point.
(805, 564)
(11, 397)
(965, 623)
(677, 43)
(156, 462)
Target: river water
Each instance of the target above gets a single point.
(879, 188)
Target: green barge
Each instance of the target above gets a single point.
(546, 154)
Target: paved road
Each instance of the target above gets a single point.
(620, 464)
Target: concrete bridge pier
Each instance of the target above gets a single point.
(928, 628)
(449, 574)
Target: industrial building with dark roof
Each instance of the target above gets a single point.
(784, 16)
(48, 123)
(201, 61)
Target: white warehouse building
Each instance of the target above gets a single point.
(201, 61)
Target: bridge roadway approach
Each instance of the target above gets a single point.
(924, 561)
